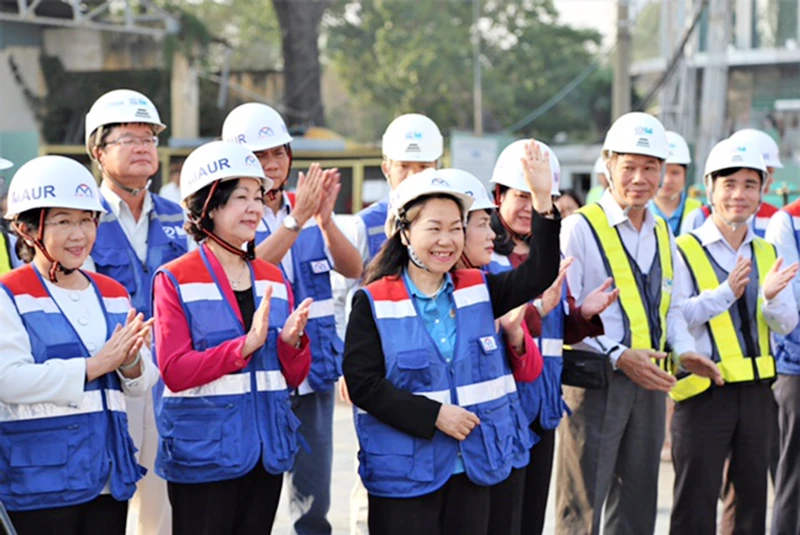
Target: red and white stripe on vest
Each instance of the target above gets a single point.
(220, 430)
(396, 464)
(54, 455)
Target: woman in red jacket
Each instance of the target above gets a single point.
(229, 349)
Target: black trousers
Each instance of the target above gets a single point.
(786, 509)
(537, 481)
(460, 507)
(242, 506)
(505, 509)
(732, 421)
(102, 516)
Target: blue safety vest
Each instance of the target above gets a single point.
(787, 350)
(543, 398)
(54, 455)
(312, 278)
(220, 430)
(395, 464)
(374, 218)
(114, 256)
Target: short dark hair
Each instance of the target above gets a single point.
(195, 202)
(574, 195)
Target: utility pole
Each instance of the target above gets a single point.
(621, 88)
(477, 92)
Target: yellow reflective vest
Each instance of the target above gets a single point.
(690, 205)
(5, 253)
(630, 297)
(736, 367)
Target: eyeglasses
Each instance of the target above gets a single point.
(66, 226)
(128, 142)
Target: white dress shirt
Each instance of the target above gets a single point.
(588, 271)
(780, 233)
(780, 313)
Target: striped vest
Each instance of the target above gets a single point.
(542, 398)
(220, 430)
(54, 455)
(374, 218)
(395, 464)
(114, 256)
(730, 330)
(787, 348)
(312, 278)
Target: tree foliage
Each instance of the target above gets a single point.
(402, 56)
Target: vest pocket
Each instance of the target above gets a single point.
(201, 436)
(38, 461)
(496, 432)
(389, 454)
(415, 370)
(285, 433)
(116, 264)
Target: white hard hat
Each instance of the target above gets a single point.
(762, 142)
(256, 126)
(427, 182)
(122, 106)
(468, 184)
(678, 149)
(508, 167)
(52, 182)
(600, 167)
(637, 133)
(729, 154)
(412, 138)
(219, 160)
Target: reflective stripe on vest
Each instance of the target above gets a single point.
(220, 430)
(395, 464)
(736, 367)
(630, 297)
(5, 253)
(56, 455)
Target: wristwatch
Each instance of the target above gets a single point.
(291, 223)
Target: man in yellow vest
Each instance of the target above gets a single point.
(671, 201)
(733, 294)
(609, 450)
(8, 258)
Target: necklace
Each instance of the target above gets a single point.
(235, 282)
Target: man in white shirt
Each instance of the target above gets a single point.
(733, 294)
(139, 233)
(609, 450)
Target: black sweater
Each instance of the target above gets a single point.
(364, 362)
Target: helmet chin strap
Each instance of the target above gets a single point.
(38, 242)
(248, 254)
(132, 191)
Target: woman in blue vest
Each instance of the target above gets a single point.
(552, 319)
(438, 420)
(229, 348)
(72, 351)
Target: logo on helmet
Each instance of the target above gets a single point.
(265, 131)
(251, 160)
(84, 191)
(413, 134)
(741, 148)
(439, 182)
(643, 131)
(470, 194)
(136, 101)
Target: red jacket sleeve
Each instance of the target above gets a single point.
(528, 366)
(181, 366)
(576, 327)
(295, 363)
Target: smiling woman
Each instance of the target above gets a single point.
(439, 420)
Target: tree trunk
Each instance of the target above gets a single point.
(300, 20)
